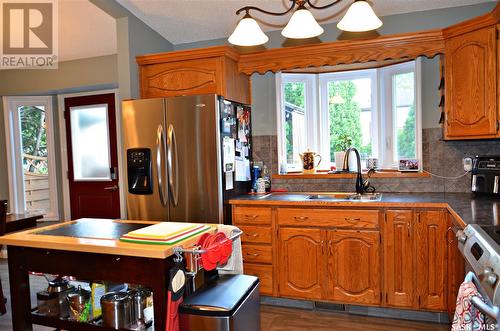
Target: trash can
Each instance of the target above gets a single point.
(230, 303)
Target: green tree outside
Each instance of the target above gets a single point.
(34, 138)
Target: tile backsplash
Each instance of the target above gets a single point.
(442, 158)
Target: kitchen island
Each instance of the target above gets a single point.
(87, 249)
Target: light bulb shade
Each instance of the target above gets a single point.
(248, 33)
(302, 25)
(360, 17)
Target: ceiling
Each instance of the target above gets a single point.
(84, 30)
(182, 21)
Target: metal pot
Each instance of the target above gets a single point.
(116, 310)
(61, 287)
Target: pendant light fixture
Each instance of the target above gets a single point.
(359, 17)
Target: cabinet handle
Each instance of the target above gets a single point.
(322, 247)
(408, 225)
(251, 216)
(254, 254)
(252, 234)
(301, 218)
(352, 220)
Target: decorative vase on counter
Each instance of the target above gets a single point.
(339, 160)
(308, 162)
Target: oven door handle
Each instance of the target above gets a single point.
(493, 312)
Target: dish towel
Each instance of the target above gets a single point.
(467, 316)
(234, 265)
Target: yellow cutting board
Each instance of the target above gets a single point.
(163, 230)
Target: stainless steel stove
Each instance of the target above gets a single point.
(481, 249)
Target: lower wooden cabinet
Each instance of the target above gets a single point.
(431, 259)
(300, 263)
(354, 274)
(399, 259)
(265, 274)
(455, 266)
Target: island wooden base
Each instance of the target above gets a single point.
(149, 272)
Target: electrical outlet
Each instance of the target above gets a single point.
(467, 161)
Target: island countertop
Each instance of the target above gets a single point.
(101, 236)
(465, 207)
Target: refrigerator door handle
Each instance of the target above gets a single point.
(173, 171)
(160, 147)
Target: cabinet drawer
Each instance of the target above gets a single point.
(257, 253)
(339, 218)
(251, 215)
(265, 274)
(255, 234)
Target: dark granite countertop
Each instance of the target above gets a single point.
(469, 209)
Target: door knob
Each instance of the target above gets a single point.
(111, 188)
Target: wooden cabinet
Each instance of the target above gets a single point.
(471, 106)
(399, 257)
(354, 274)
(431, 259)
(257, 244)
(301, 261)
(455, 266)
(191, 72)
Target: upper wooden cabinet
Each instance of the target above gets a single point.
(471, 100)
(199, 71)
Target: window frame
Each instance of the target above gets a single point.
(17, 200)
(317, 116)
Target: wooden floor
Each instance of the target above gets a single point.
(272, 318)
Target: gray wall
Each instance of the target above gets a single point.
(264, 89)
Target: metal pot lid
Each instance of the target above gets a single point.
(115, 297)
(139, 292)
(58, 285)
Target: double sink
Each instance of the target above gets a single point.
(342, 196)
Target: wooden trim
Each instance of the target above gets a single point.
(397, 46)
(473, 24)
(382, 174)
(190, 54)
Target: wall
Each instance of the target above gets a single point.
(72, 76)
(444, 158)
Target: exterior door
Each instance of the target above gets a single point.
(354, 266)
(431, 259)
(399, 257)
(92, 156)
(301, 260)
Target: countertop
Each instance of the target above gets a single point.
(465, 207)
(104, 239)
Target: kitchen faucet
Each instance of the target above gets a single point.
(359, 178)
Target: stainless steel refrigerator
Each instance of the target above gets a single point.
(185, 157)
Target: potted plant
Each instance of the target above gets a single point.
(341, 145)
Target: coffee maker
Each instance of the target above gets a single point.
(486, 175)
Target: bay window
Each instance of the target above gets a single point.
(375, 110)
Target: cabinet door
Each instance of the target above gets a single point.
(354, 266)
(456, 266)
(471, 91)
(399, 258)
(300, 263)
(431, 259)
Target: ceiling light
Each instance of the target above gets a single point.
(248, 33)
(302, 25)
(360, 17)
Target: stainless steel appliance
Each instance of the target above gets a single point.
(481, 249)
(230, 303)
(177, 169)
(486, 175)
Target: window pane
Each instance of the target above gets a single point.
(295, 129)
(90, 142)
(350, 116)
(35, 165)
(403, 89)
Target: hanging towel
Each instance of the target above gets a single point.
(467, 316)
(234, 265)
